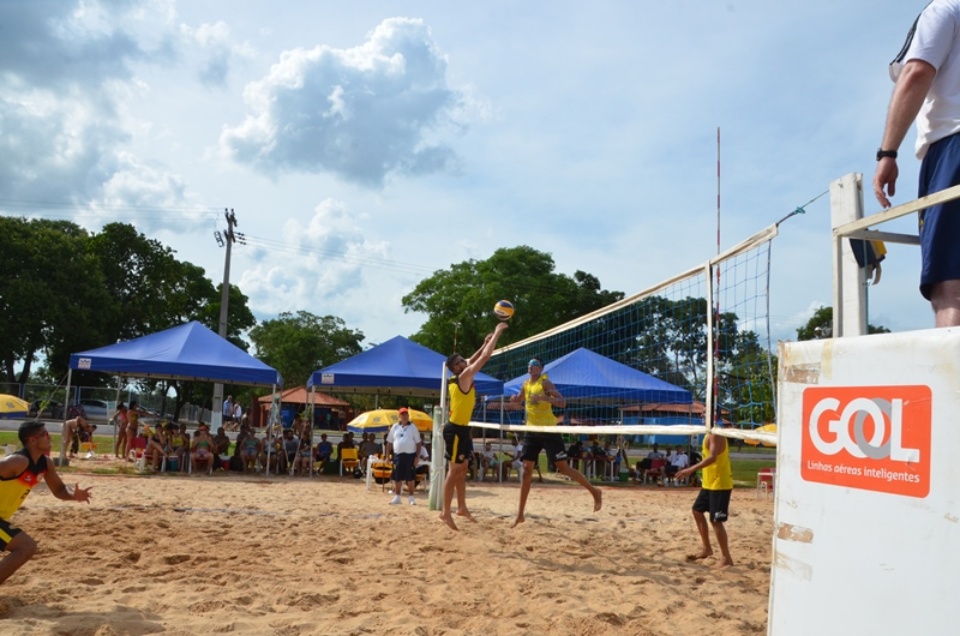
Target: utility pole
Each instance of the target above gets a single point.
(228, 238)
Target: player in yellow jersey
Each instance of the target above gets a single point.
(714, 497)
(539, 396)
(458, 445)
(19, 473)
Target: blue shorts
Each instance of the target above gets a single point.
(403, 468)
(940, 224)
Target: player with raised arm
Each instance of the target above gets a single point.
(456, 433)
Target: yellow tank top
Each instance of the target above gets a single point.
(461, 404)
(541, 413)
(717, 476)
(14, 490)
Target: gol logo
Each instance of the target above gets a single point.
(871, 438)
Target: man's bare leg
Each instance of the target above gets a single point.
(704, 531)
(945, 300)
(525, 479)
(20, 549)
(462, 499)
(454, 472)
(721, 532)
(578, 477)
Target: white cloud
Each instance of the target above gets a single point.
(315, 264)
(361, 113)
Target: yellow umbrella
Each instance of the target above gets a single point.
(380, 421)
(11, 407)
(766, 428)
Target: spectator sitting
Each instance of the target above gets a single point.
(305, 454)
(156, 448)
(221, 446)
(575, 454)
(678, 462)
(291, 444)
(324, 452)
(271, 451)
(250, 452)
(423, 468)
(368, 447)
(202, 449)
(178, 441)
(598, 455)
(488, 461)
(644, 464)
(345, 442)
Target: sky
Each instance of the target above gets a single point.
(365, 145)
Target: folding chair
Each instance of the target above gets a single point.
(655, 470)
(137, 452)
(765, 480)
(382, 471)
(348, 459)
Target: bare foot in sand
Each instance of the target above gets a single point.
(466, 514)
(447, 519)
(597, 499)
(724, 563)
(518, 521)
(705, 554)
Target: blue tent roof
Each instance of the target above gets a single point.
(585, 375)
(190, 351)
(397, 367)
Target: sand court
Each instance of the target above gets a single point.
(195, 555)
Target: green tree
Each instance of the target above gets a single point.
(459, 301)
(52, 296)
(298, 344)
(822, 319)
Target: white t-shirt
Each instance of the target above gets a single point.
(937, 32)
(680, 461)
(404, 438)
(237, 412)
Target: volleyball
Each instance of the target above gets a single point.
(503, 310)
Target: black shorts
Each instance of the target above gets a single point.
(716, 502)
(458, 445)
(403, 467)
(533, 443)
(7, 533)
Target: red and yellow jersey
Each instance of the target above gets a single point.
(13, 490)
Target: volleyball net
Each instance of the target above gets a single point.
(660, 360)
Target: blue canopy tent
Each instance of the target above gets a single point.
(186, 352)
(397, 367)
(588, 378)
(585, 375)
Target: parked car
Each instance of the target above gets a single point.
(52, 410)
(96, 410)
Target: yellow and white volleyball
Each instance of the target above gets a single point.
(503, 310)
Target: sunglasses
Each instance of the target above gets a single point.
(43, 433)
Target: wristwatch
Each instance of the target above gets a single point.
(881, 153)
